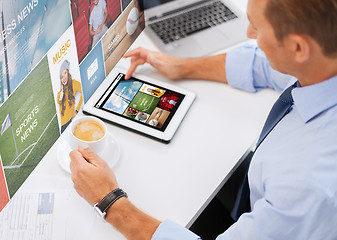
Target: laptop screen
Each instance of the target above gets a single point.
(153, 3)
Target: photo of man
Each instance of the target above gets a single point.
(91, 20)
(98, 16)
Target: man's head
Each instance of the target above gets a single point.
(295, 35)
(95, 2)
(314, 18)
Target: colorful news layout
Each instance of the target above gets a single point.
(143, 102)
(29, 128)
(28, 30)
(42, 86)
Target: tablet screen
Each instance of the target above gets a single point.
(139, 101)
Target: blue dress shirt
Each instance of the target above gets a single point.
(293, 174)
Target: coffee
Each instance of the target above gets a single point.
(89, 130)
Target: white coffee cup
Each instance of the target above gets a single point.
(97, 145)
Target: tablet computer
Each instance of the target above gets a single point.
(140, 103)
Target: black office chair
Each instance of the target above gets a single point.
(216, 219)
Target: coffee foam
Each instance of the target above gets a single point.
(89, 130)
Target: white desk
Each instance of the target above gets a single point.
(168, 181)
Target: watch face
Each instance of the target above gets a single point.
(98, 212)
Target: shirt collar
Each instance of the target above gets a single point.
(314, 99)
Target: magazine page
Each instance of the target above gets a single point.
(66, 79)
(28, 30)
(29, 126)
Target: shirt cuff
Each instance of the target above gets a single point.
(169, 230)
(239, 67)
(247, 68)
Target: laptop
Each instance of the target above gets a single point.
(193, 28)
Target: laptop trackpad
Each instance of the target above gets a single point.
(210, 39)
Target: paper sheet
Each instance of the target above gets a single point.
(29, 216)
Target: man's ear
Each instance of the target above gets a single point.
(300, 47)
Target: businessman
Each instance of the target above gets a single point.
(293, 174)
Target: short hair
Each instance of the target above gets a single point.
(314, 18)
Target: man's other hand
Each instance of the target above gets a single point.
(92, 177)
(169, 66)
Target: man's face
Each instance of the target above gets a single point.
(261, 30)
(95, 2)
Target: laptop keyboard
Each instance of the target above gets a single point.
(193, 21)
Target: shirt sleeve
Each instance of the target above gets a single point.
(247, 68)
(169, 230)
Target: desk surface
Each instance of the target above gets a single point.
(168, 181)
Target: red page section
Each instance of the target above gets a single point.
(4, 196)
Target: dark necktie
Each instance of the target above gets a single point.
(281, 108)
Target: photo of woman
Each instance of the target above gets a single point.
(66, 96)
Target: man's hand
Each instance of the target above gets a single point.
(169, 66)
(208, 68)
(92, 177)
(93, 180)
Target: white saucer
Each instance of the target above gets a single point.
(110, 155)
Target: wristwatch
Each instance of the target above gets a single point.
(102, 206)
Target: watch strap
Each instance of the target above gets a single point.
(109, 199)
